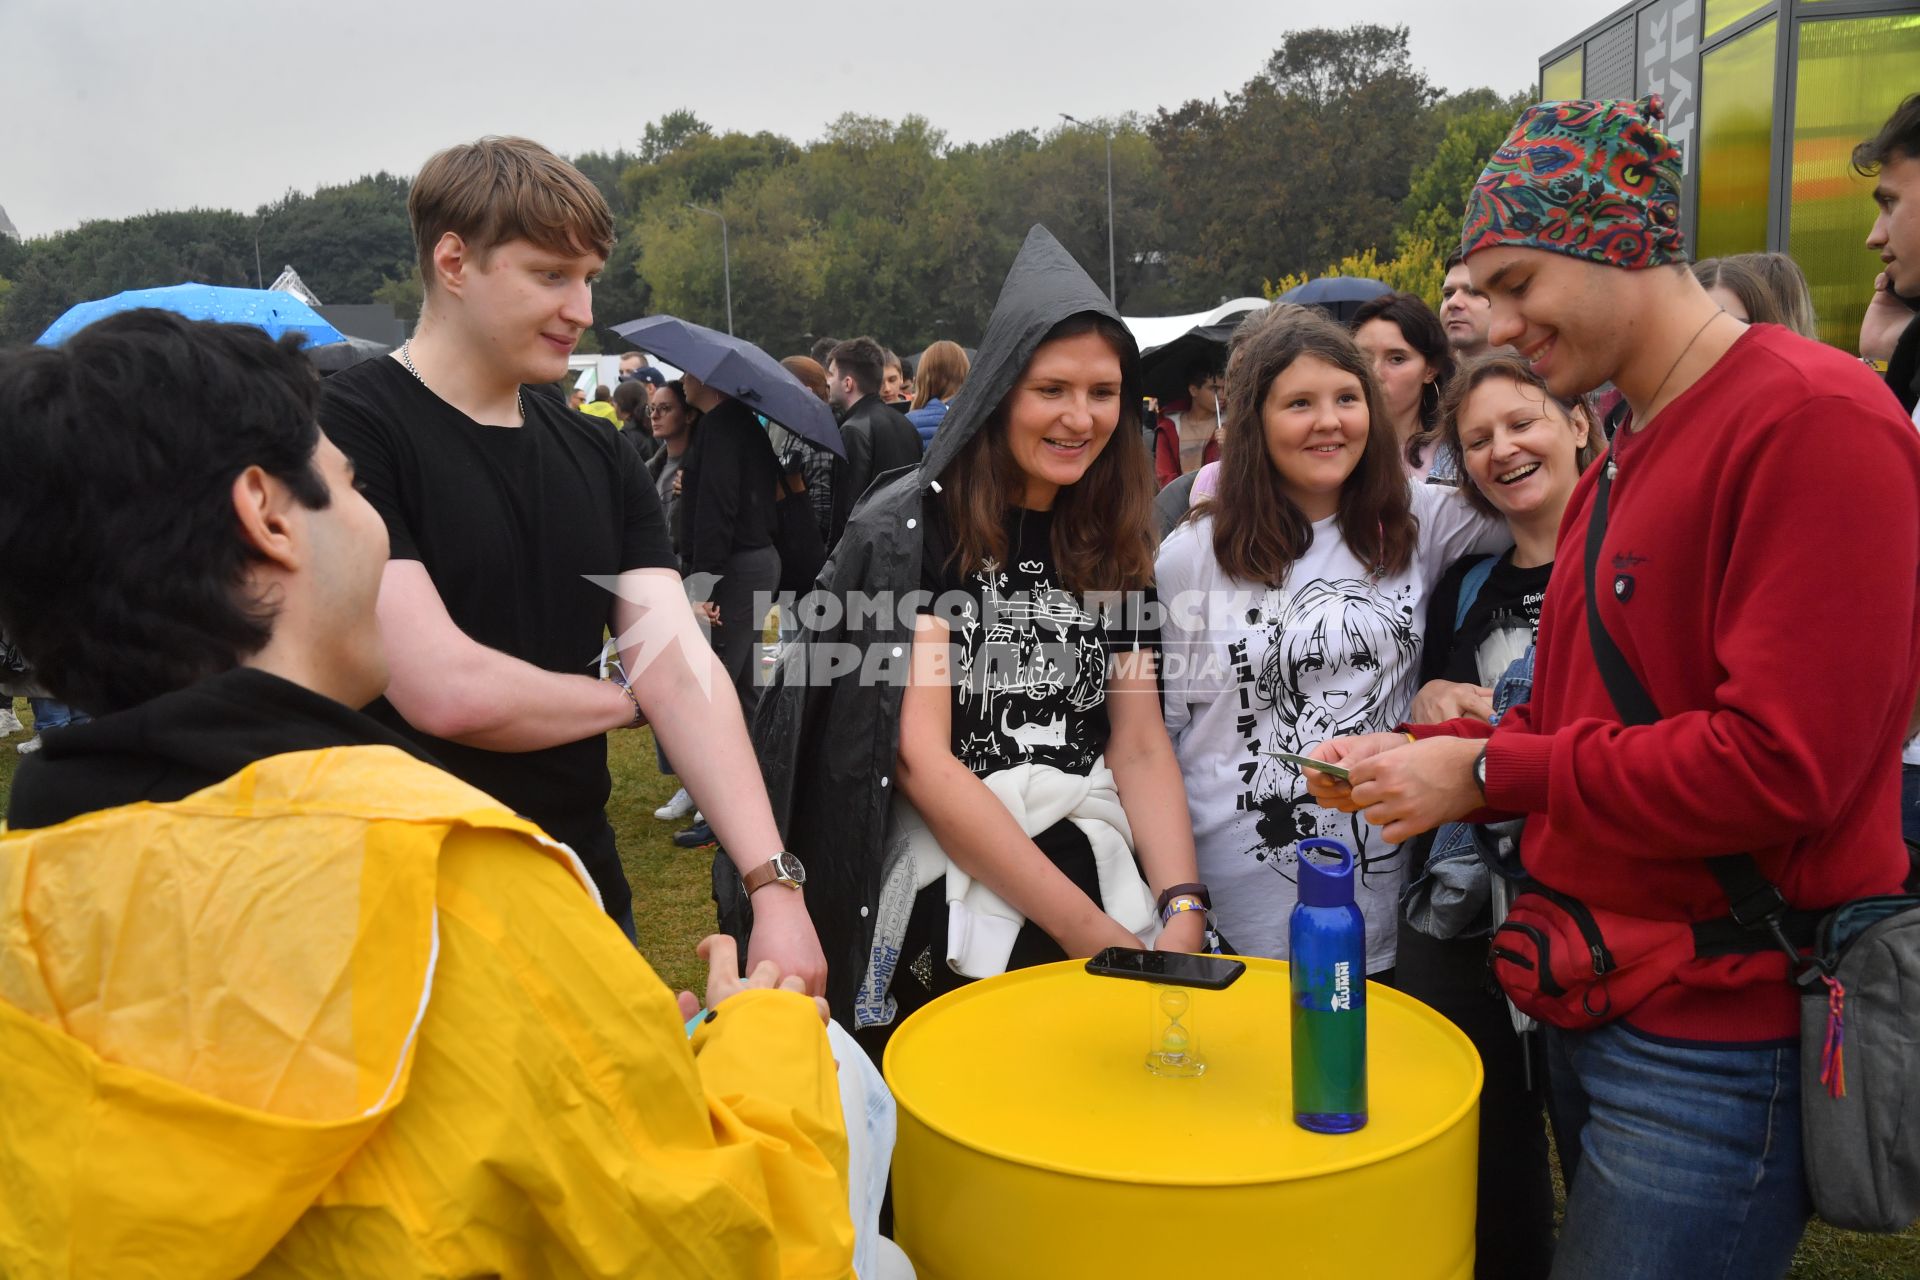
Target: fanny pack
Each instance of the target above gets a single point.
(1576, 967)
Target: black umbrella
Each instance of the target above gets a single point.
(741, 370)
(1166, 370)
(336, 356)
(1338, 296)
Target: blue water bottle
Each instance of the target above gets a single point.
(1327, 946)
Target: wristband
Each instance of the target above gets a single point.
(639, 716)
(1410, 737)
(1168, 894)
(1184, 903)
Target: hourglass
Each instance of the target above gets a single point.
(1171, 1051)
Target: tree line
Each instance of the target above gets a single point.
(1338, 155)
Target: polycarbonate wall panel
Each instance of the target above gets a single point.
(1850, 75)
(1564, 79)
(1722, 14)
(1734, 172)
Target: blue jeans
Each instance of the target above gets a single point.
(49, 713)
(1688, 1161)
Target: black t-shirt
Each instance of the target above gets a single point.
(1030, 660)
(508, 522)
(1500, 623)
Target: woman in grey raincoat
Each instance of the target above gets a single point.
(966, 749)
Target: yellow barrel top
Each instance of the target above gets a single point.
(1046, 1067)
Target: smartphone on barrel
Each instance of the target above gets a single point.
(1170, 968)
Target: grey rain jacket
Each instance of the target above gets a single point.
(827, 748)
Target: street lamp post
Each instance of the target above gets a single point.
(259, 277)
(726, 260)
(1113, 288)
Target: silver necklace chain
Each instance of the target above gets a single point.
(1675, 367)
(519, 393)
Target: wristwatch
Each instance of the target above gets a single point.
(781, 868)
(1480, 772)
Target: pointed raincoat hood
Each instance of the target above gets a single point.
(828, 729)
(1044, 287)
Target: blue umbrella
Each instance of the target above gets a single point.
(267, 309)
(1338, 296)
(742, 371)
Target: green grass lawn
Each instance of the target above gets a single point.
(673, 907)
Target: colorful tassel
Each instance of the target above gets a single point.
(1833, 1071)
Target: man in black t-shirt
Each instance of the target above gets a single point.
(522, 531)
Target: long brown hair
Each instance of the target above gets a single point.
(1515, 369)
(942, 368)
(1258, 531)
(1102, 523)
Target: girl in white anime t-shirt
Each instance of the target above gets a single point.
(1296, 599)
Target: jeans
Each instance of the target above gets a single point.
(49, 713)
(1689, 1160)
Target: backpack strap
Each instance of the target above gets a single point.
(1470, 589)
(1756, 901)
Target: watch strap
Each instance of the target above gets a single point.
(765, 874)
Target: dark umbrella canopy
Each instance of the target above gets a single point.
(336, 356)
(1338, 296)
(1166, 369)
(741, 370)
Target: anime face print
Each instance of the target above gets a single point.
(1333, 658)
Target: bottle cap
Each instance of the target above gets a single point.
(1323, 884)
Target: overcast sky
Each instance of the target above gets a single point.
(116, 107)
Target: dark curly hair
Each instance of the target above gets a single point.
(122, 564)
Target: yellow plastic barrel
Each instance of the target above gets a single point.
(1034, 1142)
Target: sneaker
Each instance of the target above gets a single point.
(30, 746)
(697, 836)
(675, 809)
(9, 723)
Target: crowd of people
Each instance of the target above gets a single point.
(373, 972)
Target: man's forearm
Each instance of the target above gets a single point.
(490, 700)
(705, 736)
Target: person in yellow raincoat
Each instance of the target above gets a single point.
(278, 996)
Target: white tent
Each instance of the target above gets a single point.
(1153, 331)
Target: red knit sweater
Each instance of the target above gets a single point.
(1767, 530)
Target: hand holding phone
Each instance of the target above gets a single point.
(1339, 771)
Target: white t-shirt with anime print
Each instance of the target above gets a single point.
(1248, 670)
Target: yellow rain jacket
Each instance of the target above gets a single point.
(342, 1015)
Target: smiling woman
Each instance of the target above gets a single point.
(1296, 598)
(1000, 827)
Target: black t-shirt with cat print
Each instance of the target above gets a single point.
(1029, 661)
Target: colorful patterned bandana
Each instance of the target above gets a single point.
(1592, 179)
